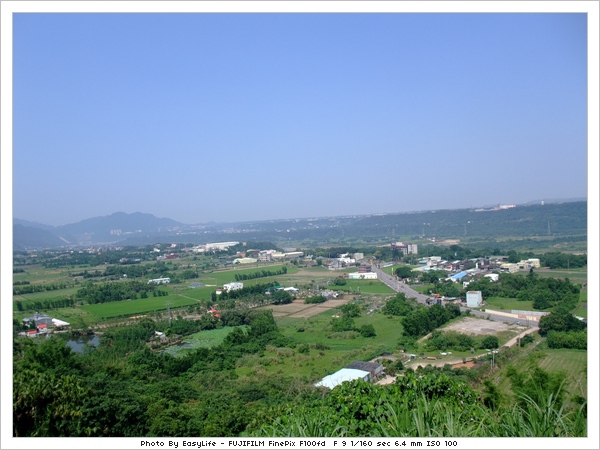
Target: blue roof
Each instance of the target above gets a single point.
(459, 275)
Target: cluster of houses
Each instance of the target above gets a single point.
(254, 256)
(40, 324)
(476, 264)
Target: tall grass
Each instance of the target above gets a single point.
(438, 418)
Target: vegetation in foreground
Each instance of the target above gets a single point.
(235, 385)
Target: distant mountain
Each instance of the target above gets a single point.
(555, 200)
(25, 238)
(97, 230)
(552, 218)
(27, 223)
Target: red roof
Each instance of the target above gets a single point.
(32, 332)
(42, 325)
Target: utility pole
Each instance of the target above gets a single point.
(169, 312)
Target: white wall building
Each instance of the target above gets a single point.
(159, 281)
(233, 286)
(474, 299)
(362, 276)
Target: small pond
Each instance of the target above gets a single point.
(78, 345)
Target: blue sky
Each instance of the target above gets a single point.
(232, 117)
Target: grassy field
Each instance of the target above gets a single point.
(572, 363)
(582, 310)
(364, 286)
(508, 304)
(575, 275)
(127, 308)
(422, 288)
(324, 351)
(227, 276)
(203, 339)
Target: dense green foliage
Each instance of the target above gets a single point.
(545, 293)
(424, 320)
(315, 299)
(561, 321)
(128, 386)
(114, 292)
(260, 274)
(430, 403)
(399, 305)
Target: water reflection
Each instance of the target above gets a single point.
(78, 345)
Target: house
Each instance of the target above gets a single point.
(38, 319)
(375, 369)
(492, 276)
(362, 276)
(509, 267)
(245, 260)
(454, 278)
(159, 281)
(233, 286)
(474, 299)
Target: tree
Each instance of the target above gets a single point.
(560, 321)
(490, 342)
(404, 272)
(350, 310)
(367, 331)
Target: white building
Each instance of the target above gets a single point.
(233, 286)
(509, 267)
(245, 260)
(159, 281)
(362, 276)
(474, 299)
(530, 263)
(337, 378)
(492, 276)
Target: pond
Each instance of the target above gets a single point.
(78, 345)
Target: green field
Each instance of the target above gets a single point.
(508, 304)
(219, 278)
(582, 309)
(364, 286)
(326, 352)
(571, 362)
(133, 307)
(575, 275)
(202, 339)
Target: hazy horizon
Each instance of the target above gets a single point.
(375, 213)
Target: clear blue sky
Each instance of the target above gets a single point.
(232, 117)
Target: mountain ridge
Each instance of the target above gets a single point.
(533, 219)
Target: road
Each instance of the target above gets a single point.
(399, 286)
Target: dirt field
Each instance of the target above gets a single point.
(472, 325)
(300, 310)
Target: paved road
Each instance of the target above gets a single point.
(398, 286)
